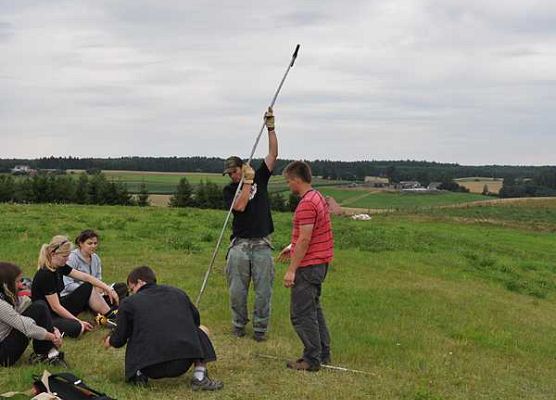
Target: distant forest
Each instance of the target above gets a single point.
(518, 180)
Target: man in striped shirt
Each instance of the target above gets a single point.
(310, 252)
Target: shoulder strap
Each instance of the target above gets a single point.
(70, 378)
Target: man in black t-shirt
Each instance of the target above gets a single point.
(250, 253)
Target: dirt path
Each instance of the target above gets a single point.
(479, 203)
(352, 200)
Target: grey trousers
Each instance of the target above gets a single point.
(250, 259)
(306, 313)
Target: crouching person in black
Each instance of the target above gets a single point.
(161, 328)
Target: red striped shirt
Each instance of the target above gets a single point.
(313, 210)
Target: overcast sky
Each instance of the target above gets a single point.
(472, 82)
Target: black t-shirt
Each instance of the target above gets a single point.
(47, 282)
(255, 221)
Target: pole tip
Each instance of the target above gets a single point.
(295, 54)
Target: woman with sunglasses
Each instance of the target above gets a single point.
(20, 321)
(48, 283)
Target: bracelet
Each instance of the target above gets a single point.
(271, 129)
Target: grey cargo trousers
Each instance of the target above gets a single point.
(250, 259)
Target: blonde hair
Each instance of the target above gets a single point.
(58, 244)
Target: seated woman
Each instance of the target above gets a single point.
(48, 284)
(21, 320)
(85, 259)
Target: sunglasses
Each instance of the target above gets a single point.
(55, 249)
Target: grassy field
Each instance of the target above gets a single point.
(536, 214)
(434, 305)
(373, 199)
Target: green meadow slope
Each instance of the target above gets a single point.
(441, 304)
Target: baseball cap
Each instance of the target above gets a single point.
(231, 164)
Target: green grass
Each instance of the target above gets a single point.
(432, 308)
(536, 214)
(361, 198)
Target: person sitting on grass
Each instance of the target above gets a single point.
(85, 259)
(21, 320)
(162, 330)
(48, 284)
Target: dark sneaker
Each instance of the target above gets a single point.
(238, 332)
(56, 361)
(35, 358)
(206, 384)
(259, 336)
(140, 379)
(302, 365)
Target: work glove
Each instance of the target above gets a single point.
(269, 119)
(248, 173)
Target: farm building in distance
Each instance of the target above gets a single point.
(408, 185)
(477, 184)
(377, 181)
(22, 170)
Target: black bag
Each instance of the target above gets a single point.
(67, 386)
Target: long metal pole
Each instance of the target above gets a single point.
(214, 254)
(326, 366)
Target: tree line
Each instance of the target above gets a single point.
(97, 189)
(400, 170)
(64, 189)
(518, 180)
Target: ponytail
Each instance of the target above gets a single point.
(58, 244)
(45, 258)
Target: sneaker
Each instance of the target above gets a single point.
(35, 358)
(325, 358)
(302, 365)
(56, 361)
(259, 336)
(206, 384)
(238, 332)
(139, 379)
(108, 320)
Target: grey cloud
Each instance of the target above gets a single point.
(439, 80)
(6, 30)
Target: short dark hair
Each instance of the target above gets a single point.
(145, 273)
(85, 235)
(298, 169)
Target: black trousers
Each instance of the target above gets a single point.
(306, 313)
(173, 368)
(13, 346)
(75, 302)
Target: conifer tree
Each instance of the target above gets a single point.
(143, 196)
(183, 196)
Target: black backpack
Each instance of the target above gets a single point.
(67, 386)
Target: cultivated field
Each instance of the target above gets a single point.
(379, 199)
(439, 304)
(166, 182)
(477, 184)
